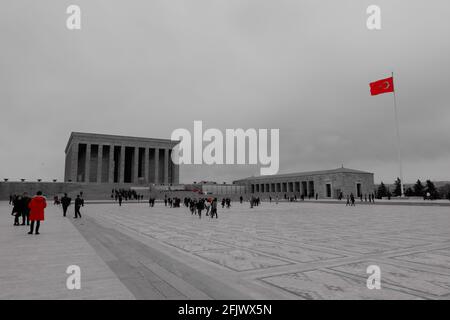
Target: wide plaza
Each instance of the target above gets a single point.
(274, 251)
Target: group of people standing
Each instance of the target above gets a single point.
(255, 201)
(196, 206)
(171, 202)
(125, 194)
(351, 199)
(30, 209)
(20, 208)
(226, 202)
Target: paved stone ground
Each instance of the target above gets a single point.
(284, 251)
(34, 266)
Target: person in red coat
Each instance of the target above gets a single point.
(37, 206)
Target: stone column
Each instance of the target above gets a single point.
(175, 173)
(166, 166)
(87, 167)
(156, 165)
(111, 164)
(74, 162)
(146, 165)
(99, 163)
(122, 165)
(136, 165)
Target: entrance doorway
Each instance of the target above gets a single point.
(328, 190)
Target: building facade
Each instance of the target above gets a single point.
(101, 158)
(326, 184)
(217, 189)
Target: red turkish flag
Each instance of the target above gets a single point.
(382, 86)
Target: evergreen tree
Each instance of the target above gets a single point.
(444, 191)
(431, 189)
(409, 192)
(382, 191)
(388, 194)
(418, 189)
(397, 188)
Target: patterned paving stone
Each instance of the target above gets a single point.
(356, 245)
(438, 258)
(193, 245)
(290, 250)
(320, 284)
(421, 281)
(240, 260)
(298, 254)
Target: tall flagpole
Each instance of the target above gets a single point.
(399, 153)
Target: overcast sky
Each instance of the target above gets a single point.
(147, 67)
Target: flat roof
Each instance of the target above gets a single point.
(112, 137)
(308, 173)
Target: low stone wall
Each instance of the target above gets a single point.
(91, 191)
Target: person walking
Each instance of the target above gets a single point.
(65, 202)
(25, 210)
(207, 206)
(200, 206)
(193, 206)
(78, 204)
(16, 211)
(214, 208)
(37, 207)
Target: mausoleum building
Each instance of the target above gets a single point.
(101, 158)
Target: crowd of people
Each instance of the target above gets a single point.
(126, 194)
(119, 195)
(31, 210)
(363, 198)
(171, 202)
(196, 206)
